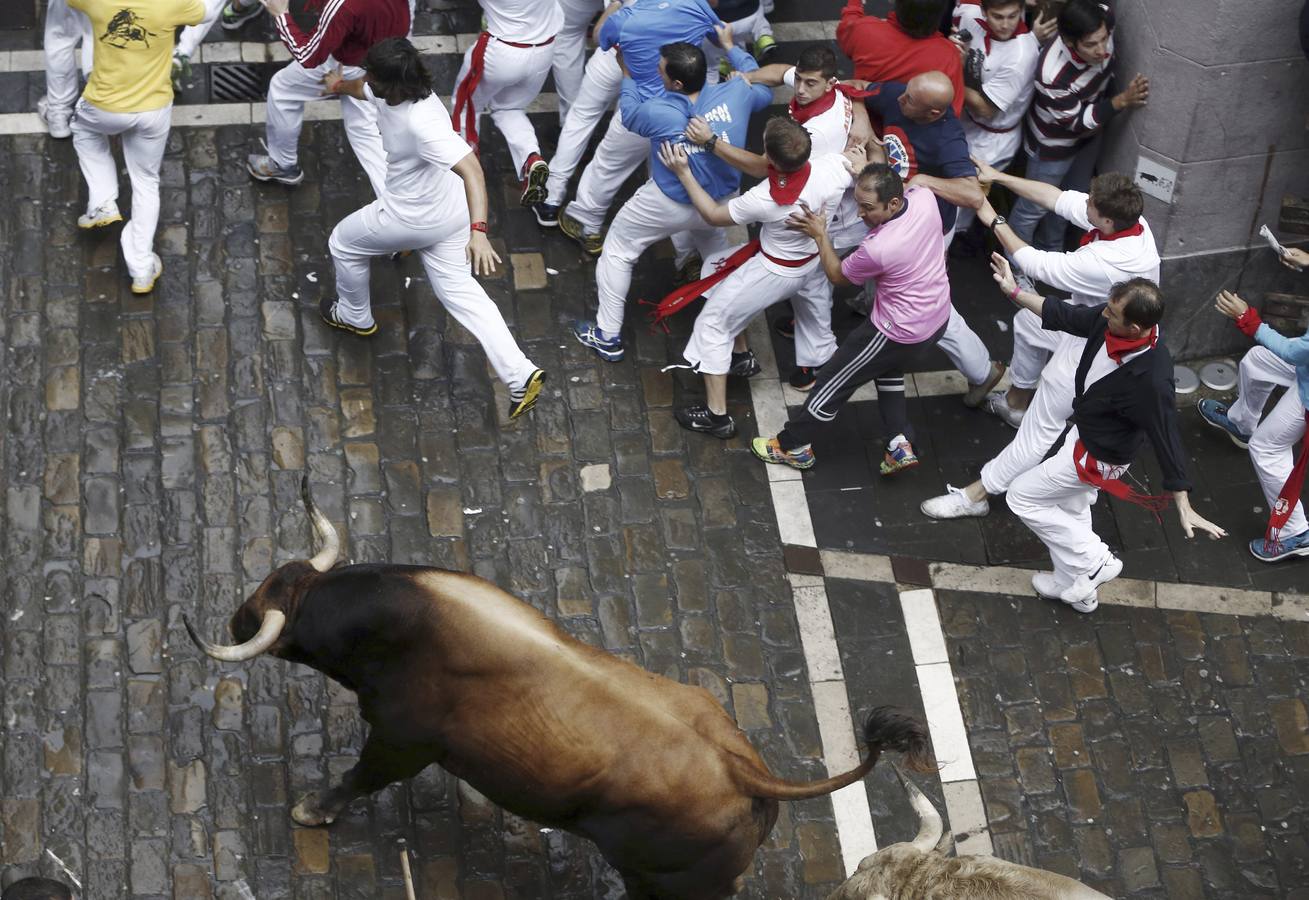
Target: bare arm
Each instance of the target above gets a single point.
(333, 83)
(753, 164)
(815, 225)
(959, 191)
(770, 74)
(479, 251)
(1007, 237)
(1004, 278)
(977, 104)
(675, 158)
(1191, 520)
(1046, 195)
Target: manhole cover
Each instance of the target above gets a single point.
(238, 83)
(1187, 382)
(1219, 376)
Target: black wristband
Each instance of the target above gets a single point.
(709, 144)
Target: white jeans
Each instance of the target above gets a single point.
(648, 217)
(291, 88)
(511, 79)
(144, 137)
(1032, 347)
(64, 28)
(569, 57)
(1044, 420)
(1273, 440)
(1056, 504)
(618, 156)
(748, 291)
(965, 349)
(596, 95)
(374, 231)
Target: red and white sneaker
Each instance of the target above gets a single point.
(535, 172)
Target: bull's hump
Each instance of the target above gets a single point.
(468, 601)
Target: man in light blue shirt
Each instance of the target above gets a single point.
(646, 26)
(661, 207)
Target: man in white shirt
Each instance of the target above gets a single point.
(746, 280)
(1117, 247)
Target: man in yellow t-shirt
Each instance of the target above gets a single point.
(129, 94)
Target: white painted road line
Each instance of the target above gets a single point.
(854, 819)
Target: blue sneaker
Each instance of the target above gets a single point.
(899, 456)
(1215, 414)
(607, 348)
(1296, 545)
(770, 451)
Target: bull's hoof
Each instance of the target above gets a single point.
(310, 811)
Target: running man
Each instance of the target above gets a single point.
(434, 186)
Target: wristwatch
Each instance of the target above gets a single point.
(709, 144)
(998, 221)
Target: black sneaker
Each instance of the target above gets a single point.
(547, 214)
(802, 378)
(745, 365)
(523, 400)
(785, 328)
(700, 419)
(327, 309)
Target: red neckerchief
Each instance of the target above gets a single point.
(1094, 235)
(817, 107)
(1118, 347)
(1287, 499)
(785, 187)
(986, 27)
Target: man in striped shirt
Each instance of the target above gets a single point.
(1071, 106)
(345, 31)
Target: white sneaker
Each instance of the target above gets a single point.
(57, 121)
(144, 284)
(997, 405)
(954, 504)
(107, 214)
(1049, 585)
(1081, 594)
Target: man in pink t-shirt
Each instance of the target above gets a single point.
(905, 252)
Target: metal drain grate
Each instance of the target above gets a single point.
(238, 83)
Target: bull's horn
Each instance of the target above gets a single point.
(929, 820)
(269, 631)
(325, 533)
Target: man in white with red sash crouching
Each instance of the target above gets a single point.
(783, 262)
(1123, 395)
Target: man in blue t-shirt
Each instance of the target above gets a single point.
(646, 26)
(924, 142)
(661, 207)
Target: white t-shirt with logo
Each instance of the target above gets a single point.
(421, 148)
(1008, 76)
(828, 181)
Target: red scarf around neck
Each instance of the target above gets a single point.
(785, 187)
(806, 112)
(990, 35)
(1094, 235)
(1118, 347)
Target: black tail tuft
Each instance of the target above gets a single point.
(889, 728)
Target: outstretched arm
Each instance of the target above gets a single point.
(815, 225)
(753, 164)
(1004, 277)
(1045, 195)
(1007, 237)
(479, 251)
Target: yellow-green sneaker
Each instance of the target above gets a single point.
(592, 244)
(524, 398)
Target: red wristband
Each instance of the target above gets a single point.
(479, 226)
(1249, 321)
(1013, 295)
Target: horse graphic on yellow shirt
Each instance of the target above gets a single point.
(126, 27)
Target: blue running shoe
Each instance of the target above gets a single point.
(899, 456)
(607, 348)
(770, 451)
(1215, 414)
(1296, 545)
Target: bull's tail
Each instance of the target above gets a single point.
(886, 729)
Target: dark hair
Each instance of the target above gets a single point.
(817, 58)
(919, 18)
(1080, 19)
(883, 179)
(1115, 196)
(37, 889)
(787, 143)
(1143, 304)
(398, 71)
(1000, 4)
(685, 63)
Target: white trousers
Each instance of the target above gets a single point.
(64, 29)
(291, 88)
(965, 349)
(569, 57)
(144, 136)
(1044, 420)
(1056, 505)
(374, 231)
(733, 302)
(596, 95)
(511, 79)
(1032, 348)
(618, 156)
(647, 217)
(1272, 441)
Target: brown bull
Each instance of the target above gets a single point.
(450, 669)
(919, 870)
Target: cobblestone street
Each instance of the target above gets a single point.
(152, 459)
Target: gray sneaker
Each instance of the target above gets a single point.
(263, 168)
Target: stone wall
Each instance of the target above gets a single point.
(1229, 104)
